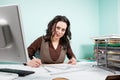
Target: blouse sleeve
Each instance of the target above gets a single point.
(34, 47)
(70, 53)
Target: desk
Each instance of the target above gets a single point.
(87, 72)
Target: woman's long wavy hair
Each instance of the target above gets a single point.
(66, 37)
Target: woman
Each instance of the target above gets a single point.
(54, 45)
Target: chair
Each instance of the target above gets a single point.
(113, 77)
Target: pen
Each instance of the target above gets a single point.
(46, 68)
(34, 57)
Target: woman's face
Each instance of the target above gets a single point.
(60, 30)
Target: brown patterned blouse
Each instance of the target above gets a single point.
(54, 53)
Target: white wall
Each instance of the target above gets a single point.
(108, 17)
(119, 14)
(83, 15)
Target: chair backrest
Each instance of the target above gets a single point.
(113, 77)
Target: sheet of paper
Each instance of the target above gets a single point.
(63, 68)
(8, 76)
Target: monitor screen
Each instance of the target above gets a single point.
(12, 44)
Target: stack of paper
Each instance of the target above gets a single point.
(107, 36)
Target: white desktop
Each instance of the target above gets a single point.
(82, 71)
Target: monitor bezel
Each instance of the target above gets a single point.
(18, 57)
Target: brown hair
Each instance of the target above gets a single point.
(67, 36)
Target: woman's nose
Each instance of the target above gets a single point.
(60, 31)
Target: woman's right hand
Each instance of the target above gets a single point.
(35, 62)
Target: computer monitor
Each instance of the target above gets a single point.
(12, 44)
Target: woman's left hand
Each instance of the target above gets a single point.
(72, 61)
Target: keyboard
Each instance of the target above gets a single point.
(17, 71)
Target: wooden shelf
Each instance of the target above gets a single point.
(114, 60)
(113, 53)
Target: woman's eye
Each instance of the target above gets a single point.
(63, 30)
(58, 28)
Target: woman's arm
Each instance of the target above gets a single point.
(34, 62)
(71, 56)
(34, 47)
